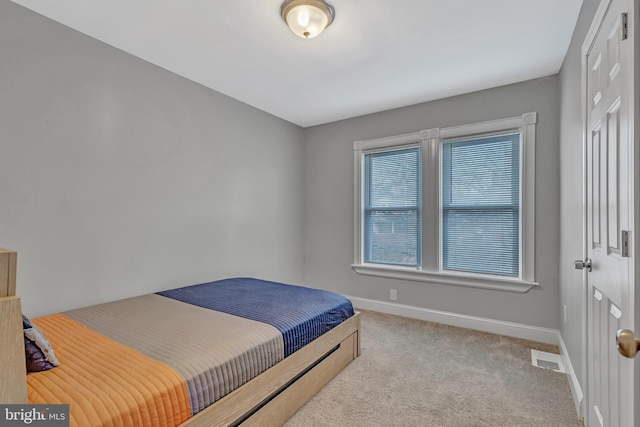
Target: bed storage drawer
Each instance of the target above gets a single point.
(284, 405)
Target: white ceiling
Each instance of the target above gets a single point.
(377, 54)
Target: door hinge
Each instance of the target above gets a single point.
(625, 25)
(624, 251)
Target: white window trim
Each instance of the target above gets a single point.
(430, 140)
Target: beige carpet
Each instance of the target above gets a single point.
(415, 373)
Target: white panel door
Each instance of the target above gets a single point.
(609, 175)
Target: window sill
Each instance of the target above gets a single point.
(402, 273)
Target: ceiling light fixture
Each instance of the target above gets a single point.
(307, 18)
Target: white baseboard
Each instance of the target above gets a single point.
(517, 330)
(576, 390)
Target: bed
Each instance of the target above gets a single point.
(150, 360)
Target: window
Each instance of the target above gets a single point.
(481, 205)
(449, 205)
(392, 207)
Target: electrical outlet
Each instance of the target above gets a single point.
(393, 294)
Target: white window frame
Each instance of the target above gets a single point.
(431, 264)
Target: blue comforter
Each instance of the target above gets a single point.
(300, 314)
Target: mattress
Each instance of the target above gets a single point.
(159, 359)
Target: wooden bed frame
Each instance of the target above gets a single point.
(269, 399)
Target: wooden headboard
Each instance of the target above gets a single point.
(8, 261)
(13, 377)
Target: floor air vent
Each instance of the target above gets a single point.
(544, 360)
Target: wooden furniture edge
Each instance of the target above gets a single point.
(13, 372)
(8, 261)
(327, 355)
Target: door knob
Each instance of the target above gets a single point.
(627, 343)
(579, 264)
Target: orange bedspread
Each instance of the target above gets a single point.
(101, 393)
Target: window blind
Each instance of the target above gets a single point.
(392, 200)
(481, 205)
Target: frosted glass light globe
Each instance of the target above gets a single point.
(307, 19)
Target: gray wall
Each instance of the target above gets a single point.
(329, 195)
(118, 178)
(571, 175)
